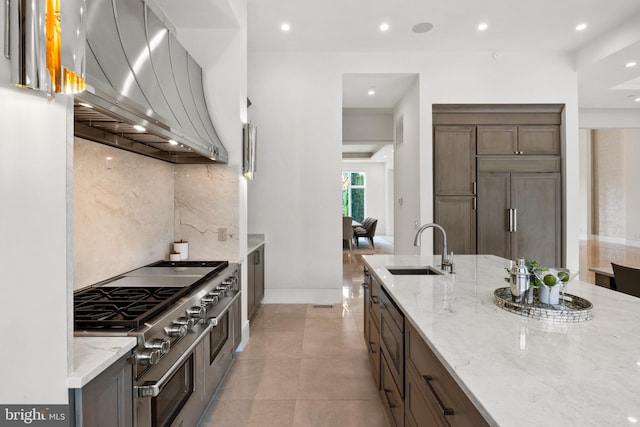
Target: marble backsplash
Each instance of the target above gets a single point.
(123, 211)
(206, 200)
(129, 210)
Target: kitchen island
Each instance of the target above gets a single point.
(518, 371)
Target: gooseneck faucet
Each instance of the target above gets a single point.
(447, 261)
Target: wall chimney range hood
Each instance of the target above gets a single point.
(139, 74)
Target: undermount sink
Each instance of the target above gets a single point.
(414, 271)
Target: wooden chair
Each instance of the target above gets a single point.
(367, 231)
(347, 231)
(627, 279)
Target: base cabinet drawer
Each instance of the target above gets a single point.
(445, 398)
(421, 406)
(373, 348)
(391, 397)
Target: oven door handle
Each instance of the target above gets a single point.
(153, 388)
(214, 320)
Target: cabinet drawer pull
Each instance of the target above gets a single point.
(375, 299)
(371, 350)
(386, 394)
(445, 411)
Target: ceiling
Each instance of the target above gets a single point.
(611, 39)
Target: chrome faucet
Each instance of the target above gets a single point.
(447, 261)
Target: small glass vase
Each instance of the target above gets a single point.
(549, 294)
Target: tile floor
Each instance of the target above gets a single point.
(303, 366)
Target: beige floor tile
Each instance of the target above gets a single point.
(281, 323)
(287, 310)
(273, 344)
(250, 413)
(330, 324)
(336, 379)
(261, 379)
(336, 311)
(333, 413)
(333, 345)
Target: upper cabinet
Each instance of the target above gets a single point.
(455, 159)
(520, 140)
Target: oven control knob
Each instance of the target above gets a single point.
(196, 312)
(229, 283)
(210, 299)
(147, 356)
(222, 290)
(189, 322)
(160, 344)
(176, 330)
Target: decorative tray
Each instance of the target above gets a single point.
(572, 309)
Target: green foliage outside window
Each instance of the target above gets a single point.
(353, 188)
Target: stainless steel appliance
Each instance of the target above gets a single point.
(186, 318)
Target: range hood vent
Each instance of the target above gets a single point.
(138, 74)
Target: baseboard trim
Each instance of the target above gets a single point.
(303, 296)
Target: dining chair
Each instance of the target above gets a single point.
(627, 279)
(347, 231)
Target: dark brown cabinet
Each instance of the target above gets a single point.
(521, 140)
(519, 216)
(454, 180)
(255, 281)
(372, 316)
(497, 180)
(455, 160)
(433, 397)
(107, 401)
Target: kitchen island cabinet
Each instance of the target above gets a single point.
(504, 369)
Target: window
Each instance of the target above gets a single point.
(353, 185)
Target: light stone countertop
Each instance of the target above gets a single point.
(92, 355)
(520, 371)
(254, 241)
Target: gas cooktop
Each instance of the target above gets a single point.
(129, 300)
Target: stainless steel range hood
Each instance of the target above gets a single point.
(139, 74)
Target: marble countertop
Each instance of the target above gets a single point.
(520, 371)
(92, 355)
(254, 241)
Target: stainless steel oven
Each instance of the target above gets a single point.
(186, 334)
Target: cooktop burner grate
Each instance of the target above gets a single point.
(116, 307)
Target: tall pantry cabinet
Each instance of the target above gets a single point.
(508, 202)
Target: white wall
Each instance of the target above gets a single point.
(606, 118)
(297, 99)
(367, 125)
(35, 255)
(632, 178)
(295, 196)
(406, 167)
(375, 196)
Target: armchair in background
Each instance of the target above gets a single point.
(368, 230)
(347, 230)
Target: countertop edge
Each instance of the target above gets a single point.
(254, 241)
(93, 355)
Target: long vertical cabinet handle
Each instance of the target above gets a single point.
(475, 188)
(475, 203)
(515, 220)
(510, 220)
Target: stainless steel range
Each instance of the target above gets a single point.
(186, 318)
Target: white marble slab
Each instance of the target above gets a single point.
(92, 355)
(520, 371)
(254, 241)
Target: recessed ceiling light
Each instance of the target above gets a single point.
(632, 419)
(384, 27)
(173, 142)
(631, 64)
(285, 26)
(581, 27)
(372, 91)
(482, 26)
(139, 128)
(638, 99)
(422, 27)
